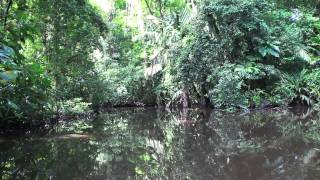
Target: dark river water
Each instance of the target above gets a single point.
(156, 144)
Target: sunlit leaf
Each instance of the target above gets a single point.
(263, 51)
(13, 105)
(9, 75)
(303, 55)
(273, 53)
(317, 25)
(6, 51)
(35, 67)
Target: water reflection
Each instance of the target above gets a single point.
(154, 144)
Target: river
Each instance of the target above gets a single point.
(148, 143)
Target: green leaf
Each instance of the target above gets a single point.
(273, 53)
(316, 40)
(317, 25)
(303, 55)
(9, 76)
(35, 67)
(6, 51)
(3, 56)
(263, 51)
(275, 48)
(13, 105)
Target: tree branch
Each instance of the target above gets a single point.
(160, 8)
(7, 12)
(148, 6)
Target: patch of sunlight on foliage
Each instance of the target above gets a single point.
(103, 158)
(106, 6)
(75, 106)
(78, 126)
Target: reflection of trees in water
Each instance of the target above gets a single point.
(192, 144)
(229, 146)
(41, 160)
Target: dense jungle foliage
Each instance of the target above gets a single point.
(70, 57)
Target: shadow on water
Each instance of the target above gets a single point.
(155, 144)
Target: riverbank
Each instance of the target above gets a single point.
(43, 126)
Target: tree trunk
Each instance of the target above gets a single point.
(318, 8)
(185, 98)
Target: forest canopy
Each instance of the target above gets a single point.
(71, 57)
